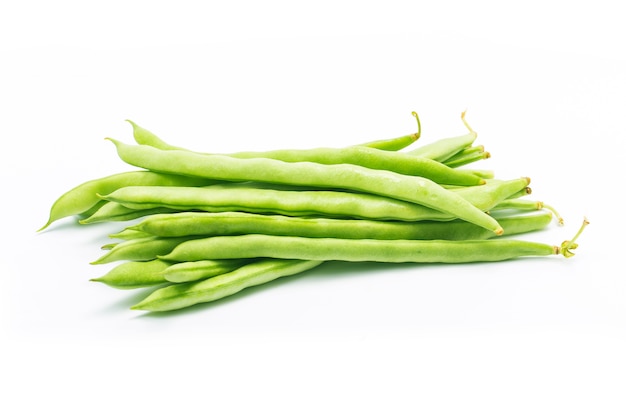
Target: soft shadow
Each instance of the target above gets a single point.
(129, 298)
(328, 270)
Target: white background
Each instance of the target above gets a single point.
(545, 88)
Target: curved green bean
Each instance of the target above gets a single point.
(218, 198)
(402, 163)
(517, 204)
(145, 137)
(398, 143)
(112, 211)
(403, 187)
(183, 295)
(83, 198)
(444, 149)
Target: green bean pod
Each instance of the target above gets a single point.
(178, 296)
(142, 249)
(135, 274)
(527, 205)
(195, 271)
(486, 174)
(84, 197)
(356, 250)
(113, 211)
(183, 295)
(443, 149)
(402, 163)
(467, 157)
(235, 223)
(129, 234)
(343, 176)
(220, 198)
(145, 137)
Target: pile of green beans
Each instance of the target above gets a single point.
(202, 226)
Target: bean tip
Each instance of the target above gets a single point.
(499, 231)
(115, 142)
(139, 306)
(44, 226)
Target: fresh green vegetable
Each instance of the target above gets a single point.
(205, 226)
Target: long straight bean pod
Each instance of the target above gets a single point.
(343, 176)
(237, 223)
(357, 250)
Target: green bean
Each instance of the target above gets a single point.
(112, 211)
(521, 193)
(218, 198)
(90, 212)
(233, 223)
(486, 174)
(362, 250)
(443, 149)
(142, 249)
(129, 234)
(467, 157)
(402, 163)
(259, 200)
(511, 204)
(135, 274)
(109, 246)
(195, 271)
(178, 296)
(374, 158)
(183, 295)
(398, 143)
(463, 153)
(403, 187)
(83, 198)
(145, 137)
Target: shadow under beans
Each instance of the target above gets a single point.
(129, 298)
(335, 270)
(328, 270)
